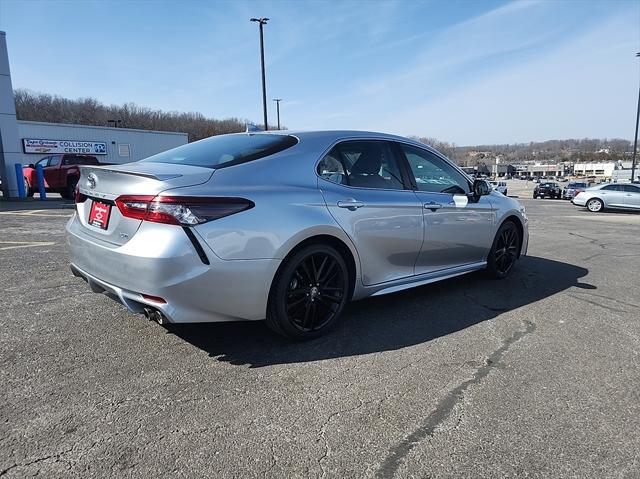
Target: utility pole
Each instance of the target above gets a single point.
(635, 141)
(261, 23)
(278, 100)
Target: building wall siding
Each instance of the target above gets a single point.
(142, 143)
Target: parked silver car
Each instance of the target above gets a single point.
(609, 195)
(285, 227)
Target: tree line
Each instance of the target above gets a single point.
(551, 151)
(34, 106)
(31, 106)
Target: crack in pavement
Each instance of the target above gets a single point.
(445, 406)
(55, 456)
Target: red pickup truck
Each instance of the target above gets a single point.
(61, 173)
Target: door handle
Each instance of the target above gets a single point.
(350, 204)
(432, 205)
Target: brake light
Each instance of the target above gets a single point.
(180, 210)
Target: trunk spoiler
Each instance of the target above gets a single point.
(159, 177)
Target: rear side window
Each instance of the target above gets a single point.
(364, 164)
(54, 161)
(612, 188)
(225, 150)
(630, 189)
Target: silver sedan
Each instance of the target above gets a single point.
(612, 195)
(285, 227)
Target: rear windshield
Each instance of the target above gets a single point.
(225, 150)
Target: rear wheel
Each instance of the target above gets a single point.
(504, 252)
(70, 191)
(309, 293)
(595, 205)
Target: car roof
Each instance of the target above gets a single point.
(336, 134)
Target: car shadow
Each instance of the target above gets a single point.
(391, 322)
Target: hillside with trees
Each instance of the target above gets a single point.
(89, 111)
(551, 151)
(32, 106)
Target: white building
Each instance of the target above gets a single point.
(109, 145)
(602, 170)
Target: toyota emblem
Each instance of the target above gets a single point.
(91, 180)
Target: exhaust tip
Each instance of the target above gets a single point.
(155, 315)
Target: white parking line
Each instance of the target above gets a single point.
(24, 244)
(46, 213)
(629, 219)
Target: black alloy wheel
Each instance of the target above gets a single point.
(504, 252)
(309, 294)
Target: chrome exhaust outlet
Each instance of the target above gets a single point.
(155, 315)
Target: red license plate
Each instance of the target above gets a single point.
(99, 216)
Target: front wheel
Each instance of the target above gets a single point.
(595, 205)
(27, 188)
(309, 293)
(504, 251)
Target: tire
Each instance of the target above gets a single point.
(27, 188)
(504, 251)
(595, 205)
(70, 191)
(309, 293)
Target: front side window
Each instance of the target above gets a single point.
(364, 164)
(54, 161)
(44, 161)
(225, 150)
(433, 174)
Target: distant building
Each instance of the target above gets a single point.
(602, 171)
(109, 145)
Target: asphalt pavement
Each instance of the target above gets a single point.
(534, 376)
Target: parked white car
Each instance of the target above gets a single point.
(609, 195)
(499, 186)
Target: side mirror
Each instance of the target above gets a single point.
(31, 165)
(481, 188)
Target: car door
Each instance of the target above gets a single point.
(631, 196)
(368, 195)
(52, 172)
(612, 195)
(458, 230)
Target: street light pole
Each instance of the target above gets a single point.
(635, 141)
(278, 100)
(261, 23)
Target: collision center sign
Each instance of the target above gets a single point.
(36, 145)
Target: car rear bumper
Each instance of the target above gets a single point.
(578, 201)
(161, 261)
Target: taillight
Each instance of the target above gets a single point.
(79, 197)
(180, 210)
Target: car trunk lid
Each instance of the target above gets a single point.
(102, 185)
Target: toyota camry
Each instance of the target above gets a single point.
(285, 227)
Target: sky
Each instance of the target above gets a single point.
(468, 72)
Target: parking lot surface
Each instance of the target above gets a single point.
(534, 376)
